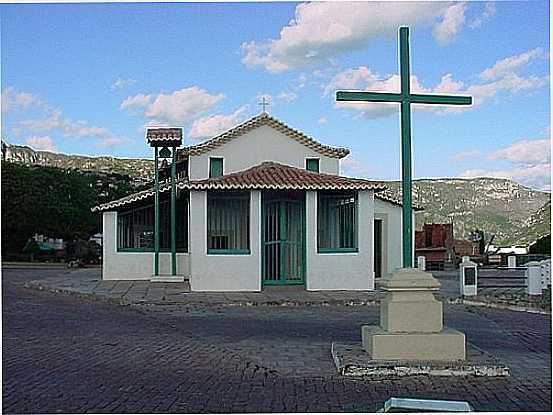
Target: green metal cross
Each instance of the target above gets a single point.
(405, 98)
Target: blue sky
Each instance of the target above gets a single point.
(88, 78)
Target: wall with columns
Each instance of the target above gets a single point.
(341, 271)
(223, 272)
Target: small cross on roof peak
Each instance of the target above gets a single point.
(264, 104)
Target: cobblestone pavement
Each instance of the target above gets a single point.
(68, 354)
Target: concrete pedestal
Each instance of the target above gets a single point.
(411, 322)
(448, 344)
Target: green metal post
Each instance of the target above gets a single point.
(173, 214)
(407, 216)
(156, 214)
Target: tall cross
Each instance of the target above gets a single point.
(264, 103)
(405, 98)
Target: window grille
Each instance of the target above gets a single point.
(337, 222)
(228, 222)
(135, 227)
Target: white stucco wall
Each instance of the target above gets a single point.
(256, 146)
(134, 265)
(341, 271)
(223, 272)
(391, 215)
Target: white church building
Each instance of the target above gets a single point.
(259, 205)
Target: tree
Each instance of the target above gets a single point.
(53, 202)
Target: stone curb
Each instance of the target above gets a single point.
(497, 305)
(39, 286)
(34, 266)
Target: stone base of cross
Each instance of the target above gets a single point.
(411, 322)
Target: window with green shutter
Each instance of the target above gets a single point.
(215, 166)
(312, 165)
(337, 222)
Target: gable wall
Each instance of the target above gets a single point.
(258, 145)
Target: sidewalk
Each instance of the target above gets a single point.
(88, 283)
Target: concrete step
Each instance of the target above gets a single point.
(169, 278)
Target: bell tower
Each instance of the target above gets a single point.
(165, 142)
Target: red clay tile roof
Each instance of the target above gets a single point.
(271, 175)
(268, 175)
(162, 135)
(264, 119)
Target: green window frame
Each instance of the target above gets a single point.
(215, 167)
(228, 223)
(135, 227)
(337, 222)
(312, 164)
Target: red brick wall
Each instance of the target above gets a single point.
(435, 235)
(420, 241)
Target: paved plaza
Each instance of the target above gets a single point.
(62, 353)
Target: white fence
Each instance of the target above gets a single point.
(536, 278)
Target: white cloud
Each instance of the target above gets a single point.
(136, 101)
(13, 100)
(121, 83)
(322, 120)
(322, 30)
(450, 26)
(508, 66)
(69, 128)
(363, 78)
(214, 125)
(487, 14)
(41, 143)
(502, 78)
(525, 152)
(179, 107)
(530, 160)
(287, 97)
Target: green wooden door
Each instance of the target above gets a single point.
(283, 242)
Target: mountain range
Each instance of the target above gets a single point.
(514, 213)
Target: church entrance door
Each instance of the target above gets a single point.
(283, 240)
